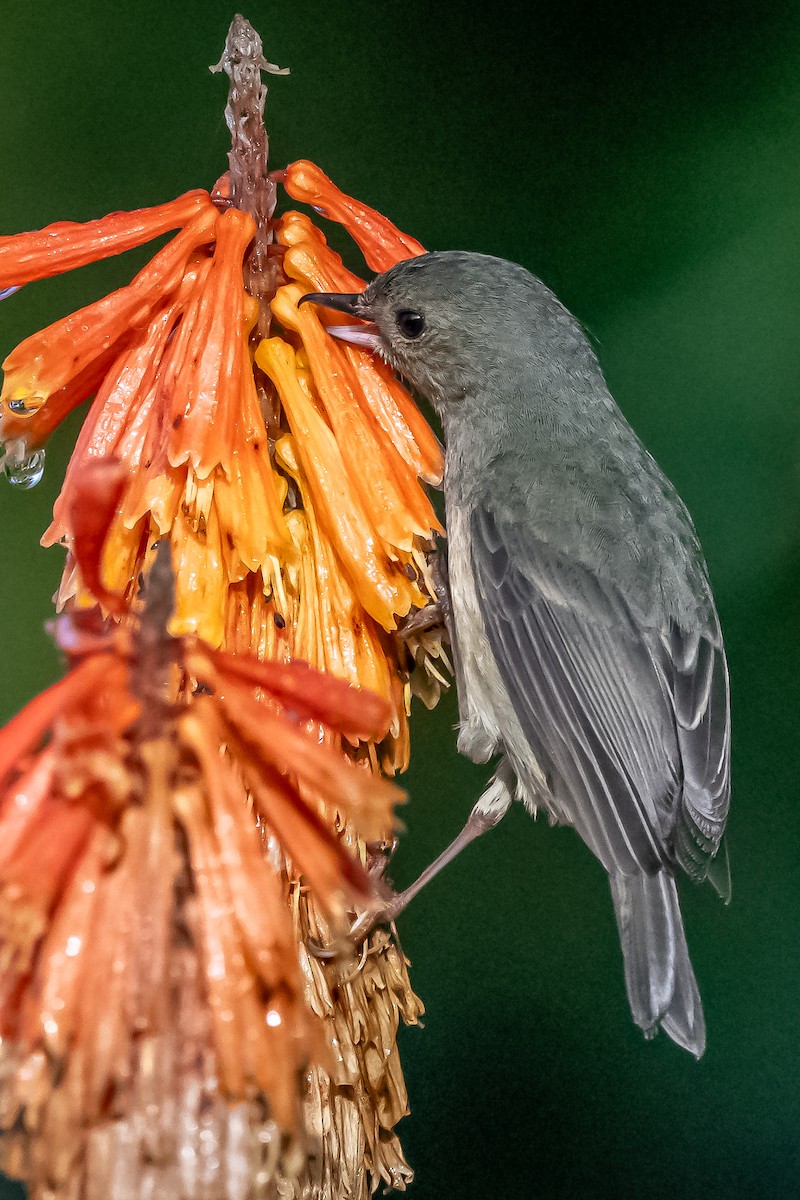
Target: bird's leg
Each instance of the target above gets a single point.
(437, 614)
(489, 810)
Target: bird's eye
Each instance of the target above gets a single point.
(411, 324)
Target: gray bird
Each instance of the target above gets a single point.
(587, 646)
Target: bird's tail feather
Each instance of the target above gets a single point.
(662, 989)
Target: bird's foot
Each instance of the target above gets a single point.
(381, 912)
(384, 912)
(424, 620)
(384, 909)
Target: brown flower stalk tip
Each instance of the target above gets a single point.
(194, 805)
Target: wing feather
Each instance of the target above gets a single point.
(630, 724)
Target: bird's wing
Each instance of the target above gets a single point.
(630, 740)
(702, 714)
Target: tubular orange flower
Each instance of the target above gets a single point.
(309, 260)
(48, 361)
(381, 242)
(25, 257)
(179, 408)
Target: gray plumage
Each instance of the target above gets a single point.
(587, 645)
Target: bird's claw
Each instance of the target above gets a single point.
(382, 912)
(422, 620)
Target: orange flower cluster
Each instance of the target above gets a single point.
(127, 857)
(286, 477)
(306, 539)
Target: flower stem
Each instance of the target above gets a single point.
(251, 188)
(153, 673)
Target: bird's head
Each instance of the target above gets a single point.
(452, 322)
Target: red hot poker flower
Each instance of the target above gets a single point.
(129, 857)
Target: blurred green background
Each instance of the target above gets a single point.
(645, 161)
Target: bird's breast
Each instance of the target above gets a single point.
(487, 722)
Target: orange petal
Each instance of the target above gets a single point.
(330, 628)
(156, 426)
(383, 390)
(251, 627)
(50, 359)
(310, 694)
(317, 267)
(227, 979)
(307, 248)
(200, 581)
(277, 743)
(317, 853)
(125, 388)
(117, 421)
(373, 666)
(24, 799)
(213, 355)
(46, 855)
(258, 902)
(92, 509)
(153, 873)
(36, 425)
(381, 242)
(60, 967)
(104, 1031)
(396, 509)
(309, 633)
(66, 245)
(249, 495)
(154, 497)
(24, 731)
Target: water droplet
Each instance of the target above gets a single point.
(73, 946)
(273, 1018)
(25, 405)
(266, 1134)
(23, 470)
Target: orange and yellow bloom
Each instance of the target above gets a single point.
(220, 447)
(220, 781)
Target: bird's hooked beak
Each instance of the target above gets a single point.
(365, 334)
